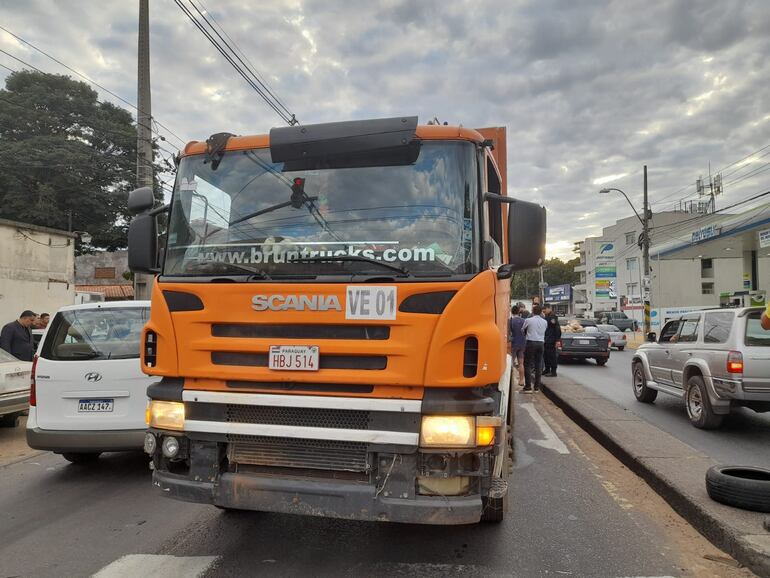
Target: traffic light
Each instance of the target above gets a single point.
(298, 192)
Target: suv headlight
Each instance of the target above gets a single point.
(165, 415)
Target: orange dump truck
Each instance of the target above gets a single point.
(329, 321)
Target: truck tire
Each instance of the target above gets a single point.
(642, 393)
(742, 487)
(698, 405)
(81, 458)
(601, 361)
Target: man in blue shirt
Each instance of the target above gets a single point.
(534, 329)
(517, 340)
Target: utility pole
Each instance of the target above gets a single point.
(144, 156)
(646, 256)
(542, 285)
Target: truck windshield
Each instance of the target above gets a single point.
(249, 215)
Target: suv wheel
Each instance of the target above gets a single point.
(698, 405)
(639, 380)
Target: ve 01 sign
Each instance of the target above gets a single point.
(370, 302)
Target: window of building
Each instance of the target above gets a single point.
(631, 264)
(707, 288)
(706, 268)
(631, 289)
(631, 238)
(104, 273)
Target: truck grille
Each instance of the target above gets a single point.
(298, 453)
(298, 416)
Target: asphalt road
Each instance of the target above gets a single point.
(743, 439)
(575, 511)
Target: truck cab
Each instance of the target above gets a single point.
(329, 321)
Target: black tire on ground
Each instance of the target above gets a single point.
(698, 405)
(601, 361)
(742, 487)
(642, 393)
(10, 420)
(81, 458)
(621, 347)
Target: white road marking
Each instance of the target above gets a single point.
(551, 441)
(157, 566)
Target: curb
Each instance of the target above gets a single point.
(675, 470)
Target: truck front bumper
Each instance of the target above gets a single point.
(331, 499)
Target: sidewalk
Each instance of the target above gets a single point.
(672, 468)
(634, 339)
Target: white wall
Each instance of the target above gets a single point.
(36, 270)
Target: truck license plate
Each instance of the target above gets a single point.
(95, 405)
(293, 357)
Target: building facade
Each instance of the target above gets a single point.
(696, 261)
(37, 269)
(104, 273)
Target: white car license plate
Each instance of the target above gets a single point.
(293, 357)
(95, 405)
(584, 341)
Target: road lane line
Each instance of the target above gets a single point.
(157, 566)
(551, 441)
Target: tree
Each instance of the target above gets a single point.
(66, 157)
(555, 272)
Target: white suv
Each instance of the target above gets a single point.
(88, 391)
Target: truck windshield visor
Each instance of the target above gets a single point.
(249, 214)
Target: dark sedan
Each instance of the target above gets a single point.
(587, 344)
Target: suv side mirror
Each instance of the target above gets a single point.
(652, 337)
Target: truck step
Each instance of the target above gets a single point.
(498, 489)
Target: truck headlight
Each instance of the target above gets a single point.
(448, 431)
(166, 415)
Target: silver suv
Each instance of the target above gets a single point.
(714, 359)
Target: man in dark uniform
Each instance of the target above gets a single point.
(552, 335)
(16, 337)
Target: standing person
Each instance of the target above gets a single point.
(16, 337)
(517, 340)
(42, 321)
(534, 330)
(523, 313)
(552, 335)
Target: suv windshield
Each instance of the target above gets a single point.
(104, 333)
(249, 214)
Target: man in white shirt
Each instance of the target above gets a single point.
(534, 330)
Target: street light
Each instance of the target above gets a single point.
(645, 243)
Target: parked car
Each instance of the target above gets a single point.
(88, 390)
(617, 337)
(714, 359)
(14, 388)
(585, 343)
(618, 319)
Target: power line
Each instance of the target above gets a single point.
(83, 76)
(252, 68)
(249, 76)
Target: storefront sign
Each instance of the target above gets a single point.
(708, 232)
(557, 293)
(764, 238)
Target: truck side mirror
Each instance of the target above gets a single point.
(526, 235)
(652, 337)
(143, 244)
(140, 200)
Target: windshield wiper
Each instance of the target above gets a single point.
(254, 272)
(360, 258)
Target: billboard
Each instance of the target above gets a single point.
(558, 293)
(605, 272)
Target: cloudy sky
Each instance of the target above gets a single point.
(590, 91)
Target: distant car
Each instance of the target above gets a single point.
(618, 319)
(588, 344)
(89, 394)
(617, 337)
(715, 359)
(14, 388)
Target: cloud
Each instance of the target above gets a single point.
(587, 90)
